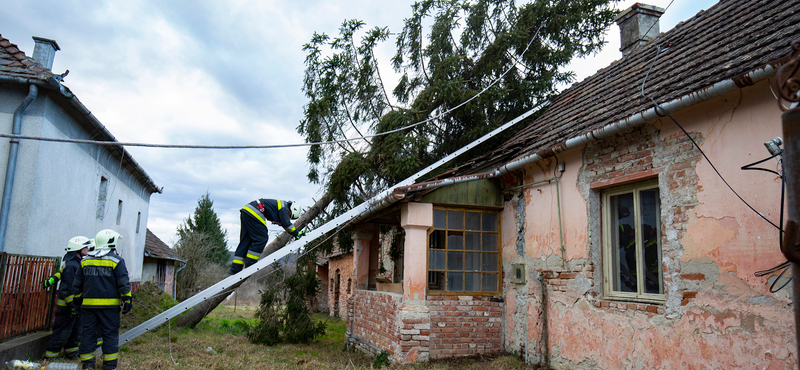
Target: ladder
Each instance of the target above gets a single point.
(360, 212)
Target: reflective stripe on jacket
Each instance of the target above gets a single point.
(102, 281)
(72, 263)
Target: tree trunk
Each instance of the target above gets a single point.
(192, 317)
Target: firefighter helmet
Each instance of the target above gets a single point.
(107, 239)
(295, 214)
(79, 242)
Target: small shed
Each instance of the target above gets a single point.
(160, 263)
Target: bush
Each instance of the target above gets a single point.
(199, 272)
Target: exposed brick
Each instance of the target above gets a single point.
(693, 277)
(689, 295)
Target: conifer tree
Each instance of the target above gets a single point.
(204, 220)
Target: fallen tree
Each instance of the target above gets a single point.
(192, 317)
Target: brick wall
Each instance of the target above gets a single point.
(373, 319)
(464, 325)
(342, 264)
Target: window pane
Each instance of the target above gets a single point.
(472, 261)
(651, 240)
(439, 221)
(472, 282)
(436, 240)
(455, 260)
(473, 221)
(455, 220)
(489, 283)
(490, 242)
(455, 281)
(455, 240)
(623, 243)
(489, 222)
(472, 241)
(436, 260)
(490, 262)
(435, 281)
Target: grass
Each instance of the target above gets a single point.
(219, 342)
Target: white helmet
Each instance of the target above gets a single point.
(295, 208)
(79, 242)
(107, 239)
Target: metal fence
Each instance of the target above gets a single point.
(25, 305)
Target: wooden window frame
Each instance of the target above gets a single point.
(608, 257)
(498, 253)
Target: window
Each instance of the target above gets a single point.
(632, 243)
(464, 252)
(138, 221)
(119, 211)
(102, 192)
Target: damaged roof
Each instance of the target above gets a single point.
(16, 67)
(725, 42)
(155, 248)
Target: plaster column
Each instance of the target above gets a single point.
(362, 237)
(414, 317)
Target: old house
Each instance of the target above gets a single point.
(56, 190)
(607, 233)
(161, 264)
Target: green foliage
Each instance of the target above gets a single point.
(204, 220)
(283, 313)
(447, 53)
(381, 360)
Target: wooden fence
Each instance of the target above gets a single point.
(25, 305)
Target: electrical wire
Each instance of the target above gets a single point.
(362, 137)
(785, 266)
(658, 108)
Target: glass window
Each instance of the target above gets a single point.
(464, 252)
(632, 242)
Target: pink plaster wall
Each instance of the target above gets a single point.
(717, 314)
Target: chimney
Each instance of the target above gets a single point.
(45, 51)
(637, 25)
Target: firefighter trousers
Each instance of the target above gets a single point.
(253, 237)
(66, 334)
(104, 321)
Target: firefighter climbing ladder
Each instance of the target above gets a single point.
(360, 212)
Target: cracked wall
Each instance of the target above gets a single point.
(717, 314)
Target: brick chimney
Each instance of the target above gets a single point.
(45, 51)
(634, 24)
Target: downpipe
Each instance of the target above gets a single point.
(8, 188)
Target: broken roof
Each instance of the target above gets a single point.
(155, 248)
(725, 42)
(16, 67)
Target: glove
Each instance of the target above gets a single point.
(127, 306)
(73, 311)
(52, 280)
(300, 234)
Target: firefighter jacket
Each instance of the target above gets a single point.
(273, 210)
(70, 267)
(102, 280)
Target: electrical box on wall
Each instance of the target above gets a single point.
(518, 273)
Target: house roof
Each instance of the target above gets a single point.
(155, 248)
(725, 42)
(16, 67)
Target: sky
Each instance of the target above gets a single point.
(208, 72)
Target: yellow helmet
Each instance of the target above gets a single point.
(107, 239)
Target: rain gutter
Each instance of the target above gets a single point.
(11, 168)
(53, 83)
(715, 90)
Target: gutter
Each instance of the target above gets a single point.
(53, 83)
(715, 90)
(11, 169)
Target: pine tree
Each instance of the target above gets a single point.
(204, 220)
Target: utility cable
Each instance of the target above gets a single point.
(363, 137)
(658, 108)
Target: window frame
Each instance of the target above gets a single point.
(499, 252)
(608, 261)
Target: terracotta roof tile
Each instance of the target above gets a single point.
(154, 247)
(14, 62)
(728, 40)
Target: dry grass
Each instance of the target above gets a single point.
(219, 342)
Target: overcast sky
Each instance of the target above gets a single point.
(215, 73)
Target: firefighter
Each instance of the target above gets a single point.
(103, 283)
(253, 234)
(66, 328)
